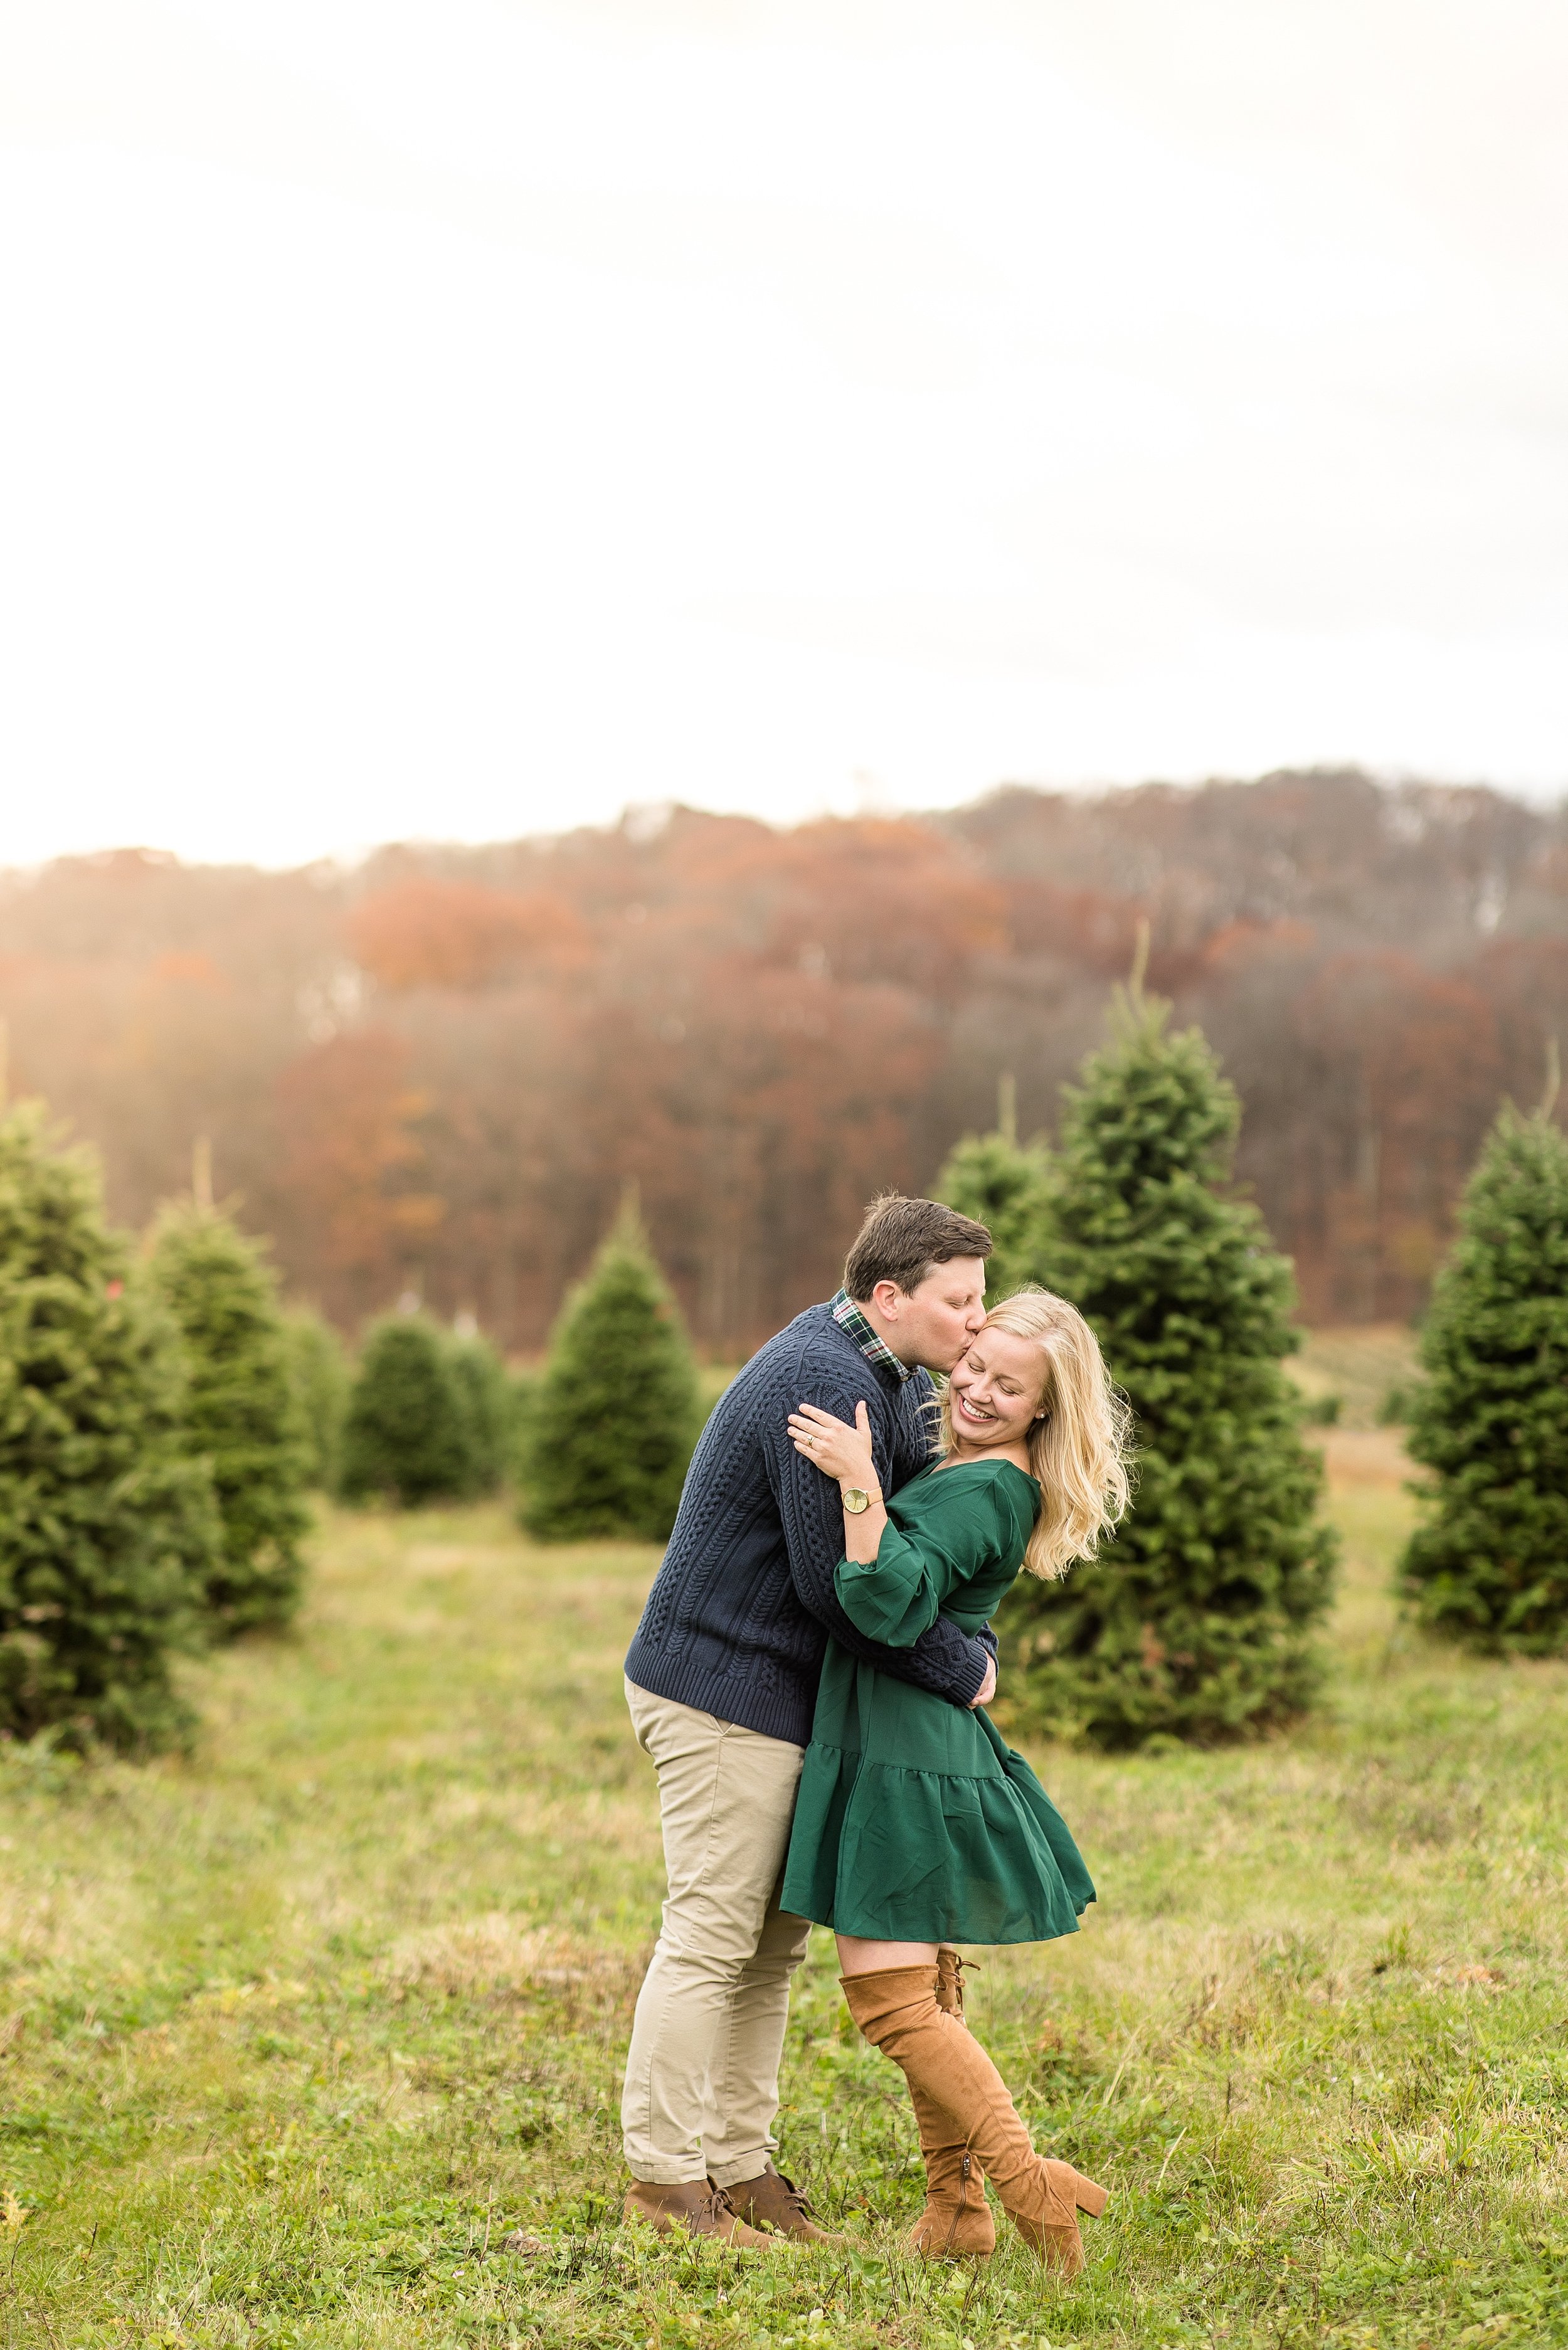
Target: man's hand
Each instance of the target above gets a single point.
(987, 1688)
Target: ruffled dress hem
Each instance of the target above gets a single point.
(898, 1854)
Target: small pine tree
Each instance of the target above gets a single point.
(109, 1527)
(611, 1428)
(487, 1411)
(1491, 1420)
(240, 1408)
(405, 1436)
(320, 1377)
(1196, 1622)
(1005, 1185)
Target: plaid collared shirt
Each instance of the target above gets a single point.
(849, 1318)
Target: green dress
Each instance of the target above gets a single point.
(916, 1822)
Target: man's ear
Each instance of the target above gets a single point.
(887, 1296)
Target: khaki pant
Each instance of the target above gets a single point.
(703, 2072)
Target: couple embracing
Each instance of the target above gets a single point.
(808, 1679)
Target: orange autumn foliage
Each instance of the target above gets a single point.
(349, 1120)
(438, 1070)
(437, 934)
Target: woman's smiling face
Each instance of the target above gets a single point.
(995, 1392)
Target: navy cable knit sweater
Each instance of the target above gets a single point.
(739, 1612)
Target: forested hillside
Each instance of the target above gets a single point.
(441, 1068)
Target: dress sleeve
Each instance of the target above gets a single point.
(942, 1658)
(898, 1594)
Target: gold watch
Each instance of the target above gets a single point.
(856, 1499)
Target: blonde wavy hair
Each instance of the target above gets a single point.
(1082, 1451)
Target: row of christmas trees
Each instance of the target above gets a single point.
(152, 1454)
(163, 1416)
(1198, 1622)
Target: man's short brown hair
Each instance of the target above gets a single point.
(904, 1240)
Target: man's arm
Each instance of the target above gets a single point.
(944, 1659)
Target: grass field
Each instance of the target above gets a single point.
(296, 2030)
(1356, 1368)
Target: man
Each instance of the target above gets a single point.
(722, 1682)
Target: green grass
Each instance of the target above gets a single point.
(295, 2030)
(1358, 1367)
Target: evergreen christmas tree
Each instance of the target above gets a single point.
(1196, 1622)
(240, 1408)
(320, 1377)
(1491, 1419)
(1006, 1186)
(405, 1436)
(487, 1410)
(610, 1430)
(108, 1527)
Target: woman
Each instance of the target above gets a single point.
(916, 1825)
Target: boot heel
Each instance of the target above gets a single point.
(1088, 2196)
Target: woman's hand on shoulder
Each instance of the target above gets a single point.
(836, 1449)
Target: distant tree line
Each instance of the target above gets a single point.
(437, 1071)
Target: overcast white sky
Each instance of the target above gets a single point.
(459, 418)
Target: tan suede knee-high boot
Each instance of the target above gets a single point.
(898, 2011)
(956, 2223)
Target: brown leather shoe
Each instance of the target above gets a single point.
(697, 2208)
(776, 2202)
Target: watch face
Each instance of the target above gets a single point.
(856, 1500)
